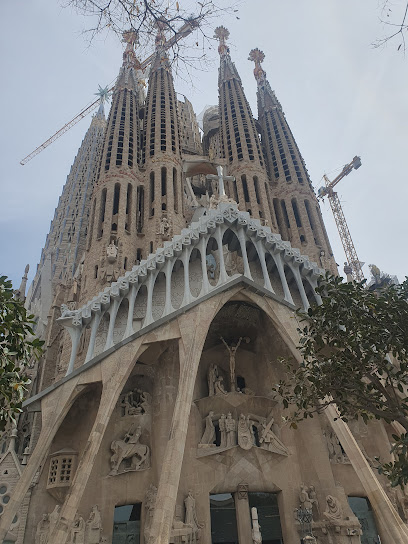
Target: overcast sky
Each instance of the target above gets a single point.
(341, 97)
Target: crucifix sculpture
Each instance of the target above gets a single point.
(220, 178)
(232, 349)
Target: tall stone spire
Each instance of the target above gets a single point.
(295, 204)
(240, 142)
(162, 151)
(20, 293)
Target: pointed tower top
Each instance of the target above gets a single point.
(104, 95)
(258, 56)
(130, 60)
(221, 34)
(160, 36)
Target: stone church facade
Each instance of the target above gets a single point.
(151, 417)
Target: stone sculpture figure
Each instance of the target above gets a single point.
(245, 439)
(212, 378)
(315, 502)
(135, 402)
(129, 448)
(164, 227)
(334, 511)
(223, 431)
(78, 530)
(191, 514)
(268, 439)
(111, 252)
(66, 312)
(308, 500)
(232, 350)
(43, 528)
(150, 503)
(94, 526)
(219, 387)
(54, 517)
(208, 437)
(231, 429)
(256, 528)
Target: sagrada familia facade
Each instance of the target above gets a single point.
(166, 295)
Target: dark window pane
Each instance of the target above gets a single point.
(223, 519)
(268, 516)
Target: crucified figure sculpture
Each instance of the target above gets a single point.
(232, 349)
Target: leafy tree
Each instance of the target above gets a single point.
(354, 349)
(17, 347)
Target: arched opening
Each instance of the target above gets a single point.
(195, 272)
(310, 292)
(102, 334)
(254, 263)
(212, 259)
(294, 290)
(121, 321)
(232, 253)
(177, 284)
(274, 276)
(139, 310)
(159, 296)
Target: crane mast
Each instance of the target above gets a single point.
(183, 32)
(341, 223)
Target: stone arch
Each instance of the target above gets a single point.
(159, 296)
(140, 308)
(232, 253)
(274, 276)
(254, 263)
(195, 271)
(101, 334)
(293, 287)
(177, 284)
(309, 290)
(121, 320)
(213, 260)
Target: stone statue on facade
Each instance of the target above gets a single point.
(256, 528)
(308, 500)
(149, 504)
(78, 530)
(208, 437)
(268, 439)
(112, 252)
(223, 431)
(334, 511)
(135, 402)
(336, 454)
(212, 378)
(66, 312)
(231, 430)
(245, 437)
(94, 526)
(164, 227)
(130, 448)
(43, 529)
(191, 514)
(232, 350)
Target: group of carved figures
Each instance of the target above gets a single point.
(215, 378)
(248, 431)
(135, 402)
(81, 532)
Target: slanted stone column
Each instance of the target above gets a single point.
(116, 371)
(54, 408)
(193, 328)
(390, 526)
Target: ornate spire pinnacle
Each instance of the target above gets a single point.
(160, 36)
(130, 60)
(104, 95)
(258, 56)
(20, 293)
(222, 34)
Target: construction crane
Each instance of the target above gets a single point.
(183, 32)
(345, 236)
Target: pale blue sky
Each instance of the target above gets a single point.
(341, 97)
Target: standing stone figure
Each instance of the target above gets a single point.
(256, 528)
(212, 378)
(78, 530)
(94, 526)
(245, 439)
(191, 514)
(223, 431)
(208, 437)
(315, 502)
(54, 517)
(232, 350)
(231, 428)
(41, 535)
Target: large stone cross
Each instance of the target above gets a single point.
(220, 178)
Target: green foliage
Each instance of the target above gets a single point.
(354, 349)
(17, 348)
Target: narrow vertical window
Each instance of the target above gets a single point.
(296, 213)
(115, 207)
(90, 232)
(164, 181)
(102, 213)
(140, 209)
(128, 208)
(258, 198)
(151, 194)
(285, 214)
(312, 222)
(245, 188)
(175, 191)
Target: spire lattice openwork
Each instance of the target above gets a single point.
(222, 34)
(258, 56)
